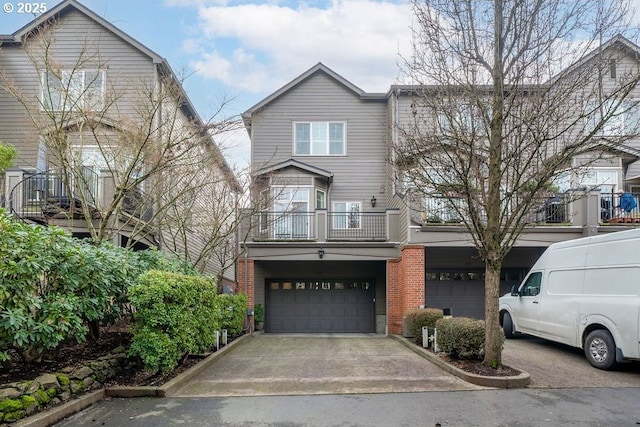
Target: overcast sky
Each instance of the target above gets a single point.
(246, 49)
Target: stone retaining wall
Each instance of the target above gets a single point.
(24, 398)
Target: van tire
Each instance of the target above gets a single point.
(600, 349)
(507, 326)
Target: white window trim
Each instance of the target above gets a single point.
(324, 198)
(619, 124)
(347, 203)
(44, 100)
(311, 153)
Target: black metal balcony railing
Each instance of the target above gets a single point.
(357, 226)
(291, 226)
(50, 194)
(612, 212)
(285, 226)
(552, 210)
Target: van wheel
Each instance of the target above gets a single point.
(507, 326)
(600, 349)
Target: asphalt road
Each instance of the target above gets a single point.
(515, 407)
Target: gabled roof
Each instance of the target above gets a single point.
(67, 6)
(292, 163)
(318, 68)
(618, 41)
(161, 63)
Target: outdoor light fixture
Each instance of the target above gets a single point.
(320, 253)
(373, 201)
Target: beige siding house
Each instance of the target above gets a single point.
(95, 116)
(341, 245)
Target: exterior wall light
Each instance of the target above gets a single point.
(373, 201)
(320, 253)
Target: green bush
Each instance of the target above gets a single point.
(461, 337)
(52, 286)
(153, 259)
(39, 307)
(258, 313)
(175, 315)
(233, 310)
(417, 318)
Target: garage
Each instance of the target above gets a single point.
(463, 291)
(314, 306)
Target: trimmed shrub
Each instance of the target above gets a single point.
(175, 315)
(39, 308)
(461, 337)
(233, 311)
(419, 317)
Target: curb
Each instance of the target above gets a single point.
(58, 413)
(515, 381)
(170, 387)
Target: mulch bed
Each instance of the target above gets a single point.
(476, 367)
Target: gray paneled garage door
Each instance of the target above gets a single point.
(463, 291)
(337, 306)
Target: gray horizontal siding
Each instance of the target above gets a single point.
(359, 174)
(129, 73)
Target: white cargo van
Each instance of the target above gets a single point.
(584, 293)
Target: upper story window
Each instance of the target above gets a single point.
(73, 90)
(622, 118)
(346, 215)
(319, 138)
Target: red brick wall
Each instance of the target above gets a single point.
(246, 267)
(405, 286)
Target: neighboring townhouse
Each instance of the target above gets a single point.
(340, 245)
(98, 120)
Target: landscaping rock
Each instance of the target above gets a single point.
(81, 373)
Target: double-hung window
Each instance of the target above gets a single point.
(319, 138)
(621, 119)
(346, 215)
(73, 90)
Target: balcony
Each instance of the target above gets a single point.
(45, 196)
(612, 213)
(554, 209)
(324, 226)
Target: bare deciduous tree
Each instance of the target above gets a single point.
(131, 151)
(505, 96)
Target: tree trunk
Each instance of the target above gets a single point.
(493, 332)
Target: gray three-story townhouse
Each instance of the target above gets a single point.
(338, 244)
(70, 77)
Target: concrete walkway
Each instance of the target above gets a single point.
(319, 364)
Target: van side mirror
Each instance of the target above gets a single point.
(514, 291)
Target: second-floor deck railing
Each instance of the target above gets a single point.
(292, 226)
(613, 211)
(289, 225)
(551, 210)
(357, 226)
(50, 193)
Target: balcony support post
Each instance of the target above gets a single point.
(321, 225)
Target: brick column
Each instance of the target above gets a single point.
(405, 285)
(245, 271)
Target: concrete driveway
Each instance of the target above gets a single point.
(319, 364)
(553, 365)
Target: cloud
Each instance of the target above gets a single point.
(257, 48)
